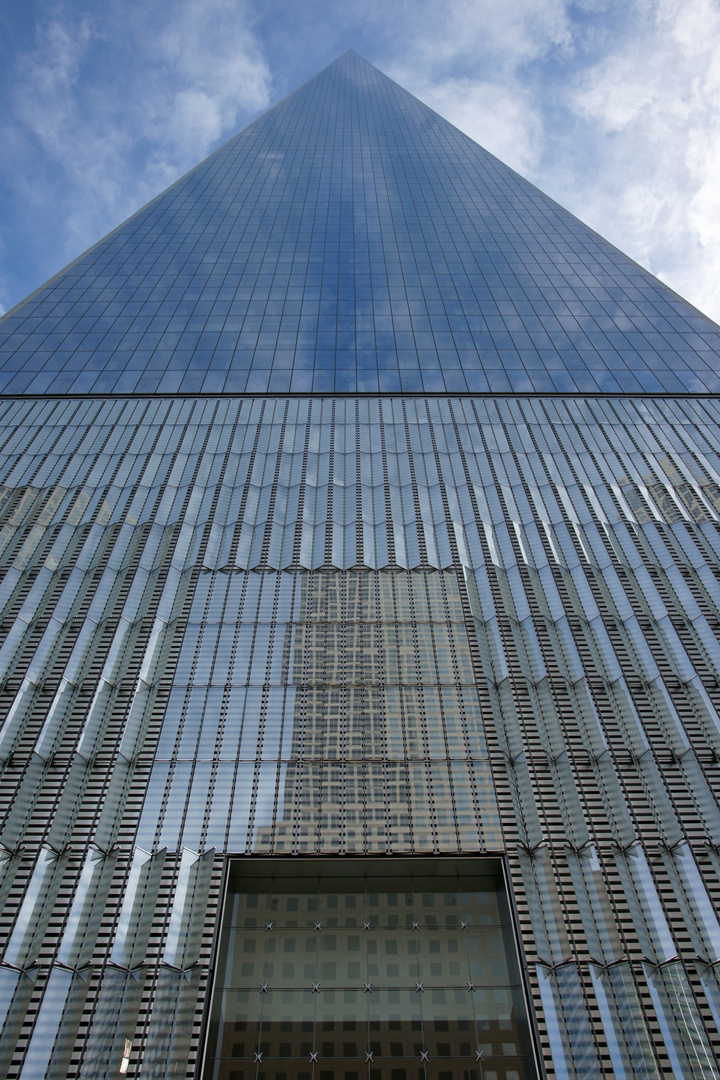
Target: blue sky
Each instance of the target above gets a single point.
(613, 108)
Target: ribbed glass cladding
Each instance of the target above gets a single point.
(354, 626)
(360, 563)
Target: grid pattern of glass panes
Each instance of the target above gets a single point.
(365, 970)
(352, 240)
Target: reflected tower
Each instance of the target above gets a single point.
(387, 748)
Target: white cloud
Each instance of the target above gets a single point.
(614, 109)
(503, 34)
(114, 107)
(490, 43)
(656, 103)
(210, 49)
(500, 118)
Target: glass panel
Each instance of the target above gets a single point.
(399, 963)
(109, 1046)
(83, 924)
(135, 922)
(36, 910)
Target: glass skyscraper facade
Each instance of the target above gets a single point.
(360, 629)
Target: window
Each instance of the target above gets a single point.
(405, 969)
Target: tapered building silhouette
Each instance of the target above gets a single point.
(360, 620)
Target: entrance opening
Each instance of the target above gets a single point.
(366, 969)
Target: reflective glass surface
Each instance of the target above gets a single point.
(321, 626)
(352, 240)
(370, 967)
(414, 555)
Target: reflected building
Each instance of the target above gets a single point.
(360, 537)
(387, 751)
(411, 968)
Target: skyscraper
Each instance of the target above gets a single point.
(360, 628)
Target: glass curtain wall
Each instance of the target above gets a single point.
(357, 501)
(287, 626)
